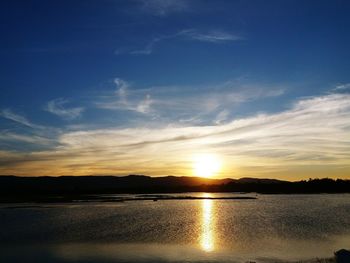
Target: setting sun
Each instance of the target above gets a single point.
(206, 165)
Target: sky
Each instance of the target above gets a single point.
(112, 87)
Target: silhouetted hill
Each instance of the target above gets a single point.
(98, 184)
(18, 187)
(259, 180)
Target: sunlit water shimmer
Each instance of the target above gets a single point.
(268, 229)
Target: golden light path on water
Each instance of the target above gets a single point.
(207, 232)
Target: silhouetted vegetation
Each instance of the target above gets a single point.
(66, 188)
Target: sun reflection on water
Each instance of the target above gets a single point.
(207, 232)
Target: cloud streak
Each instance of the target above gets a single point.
(342, 87)
(164, 7)
(213, 37)
(312, 138)
(32, 139)
(10, 115)
(124, 99)
(186, 104)
(57, 107)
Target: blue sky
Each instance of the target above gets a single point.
(78, 76)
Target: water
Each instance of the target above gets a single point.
(271, 228)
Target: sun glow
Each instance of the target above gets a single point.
(206, 165)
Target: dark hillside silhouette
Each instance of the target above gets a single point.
(14, 188)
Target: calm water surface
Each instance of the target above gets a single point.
(268, 229)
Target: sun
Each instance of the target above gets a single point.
(206, 165)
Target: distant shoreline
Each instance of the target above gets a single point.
(66, 188)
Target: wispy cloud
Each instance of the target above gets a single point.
(222, 117)
(57, 107)
(313, 133)
(212, 36)
(125, 99)
(215, 36)
(10, 115)
(164, 7)
(187, 104)
(15, 137)
(27, 133)
(342, 87)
